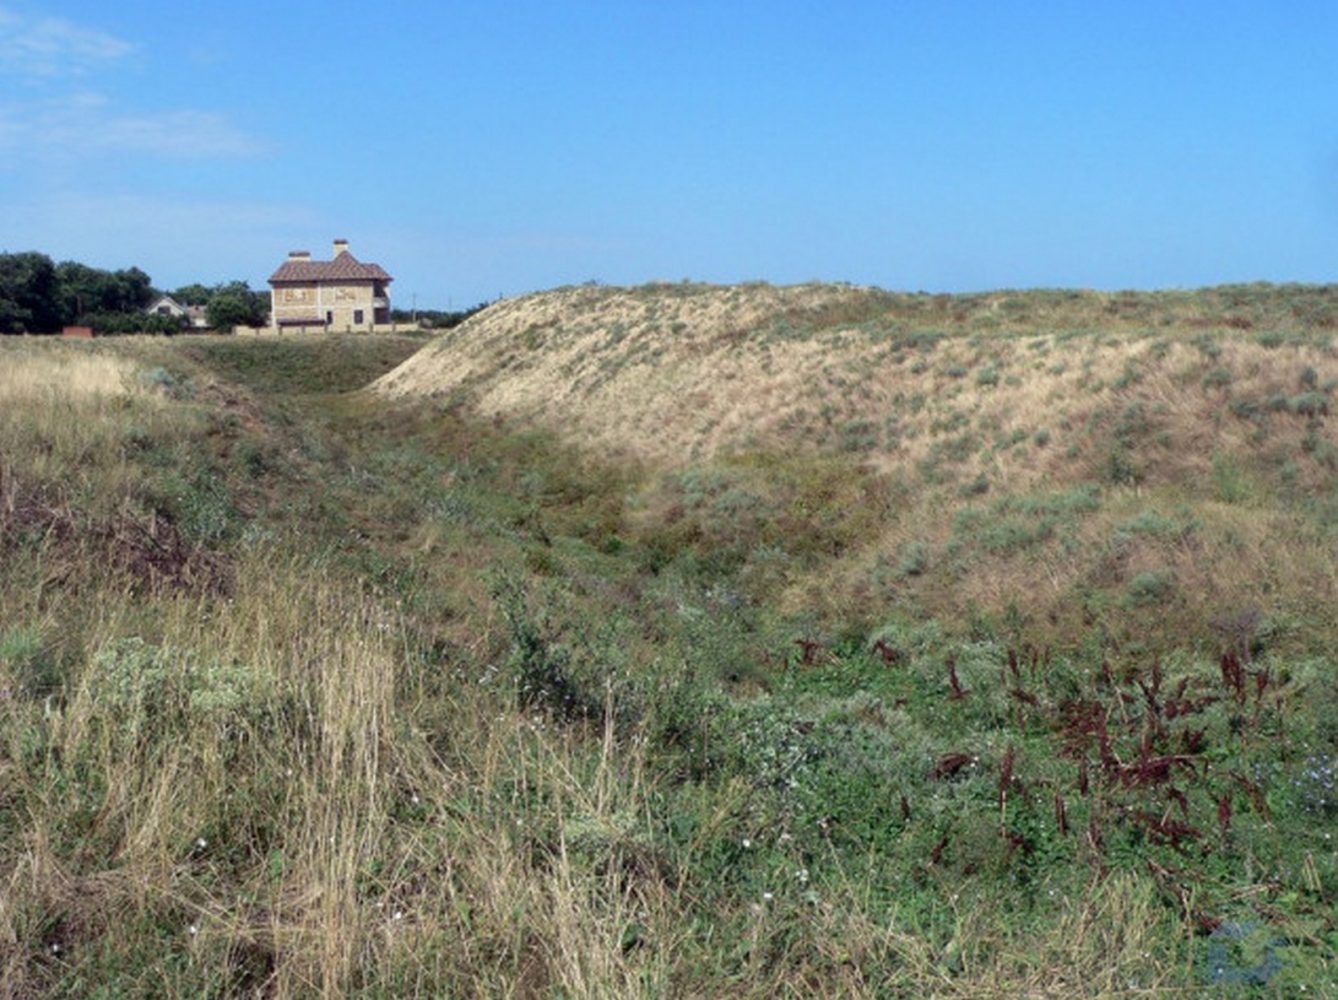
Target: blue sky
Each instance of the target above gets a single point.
(478, 149)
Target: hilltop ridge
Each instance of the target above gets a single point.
(681, 371)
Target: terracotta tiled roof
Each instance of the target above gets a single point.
(345, 267)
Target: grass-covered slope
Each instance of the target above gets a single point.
(675, 372)
(308, 691)
(1135, 460)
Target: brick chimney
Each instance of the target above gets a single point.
(299, 255)
(340, 246)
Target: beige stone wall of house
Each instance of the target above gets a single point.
(347, 307)
(352, 306)
(293, 302)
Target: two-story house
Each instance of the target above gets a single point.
(338, 294)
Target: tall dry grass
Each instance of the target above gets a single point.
(66, 406)
(248, 778)
(62, 374)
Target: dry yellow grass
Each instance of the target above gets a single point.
(60, 377)
(63, 405)
(959, 400)
(681, 373)
(669, 373)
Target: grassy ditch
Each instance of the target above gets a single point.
(306, 693)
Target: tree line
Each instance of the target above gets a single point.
(436, 319)
(38, 295)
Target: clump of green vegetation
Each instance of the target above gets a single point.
(1011, 523)
(914, 559)
(1152, 587)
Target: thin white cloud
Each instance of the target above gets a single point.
(86, 124)
(54, 46)
(49, 54)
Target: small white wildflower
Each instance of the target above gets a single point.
(55, 948)
(201, 843)
(747, 843)
(784, 838)
(802, 875)
(767, 897)
(380, 904)
(398, 915)
(414, 800)
(193, 929)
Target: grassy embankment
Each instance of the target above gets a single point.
(306, 692)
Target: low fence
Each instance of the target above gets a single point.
(317, 330)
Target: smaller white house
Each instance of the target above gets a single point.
(165, 305)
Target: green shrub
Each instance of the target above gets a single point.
(1157, 525)
(1012, 524)
(914, 559)
(1152, 587)
(155, 696)
(1121, 469)
(859, 435)
(1309, 404)
(976, 487)
(541, 662)
(1229, 479)
(170, 383)
(25, 659)
(1129, 375)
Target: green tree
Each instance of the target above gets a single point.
(29, 294)
(86, 291)
(193, 295)
(235, 304)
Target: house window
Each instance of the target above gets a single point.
(329, 317)
(357, 316)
